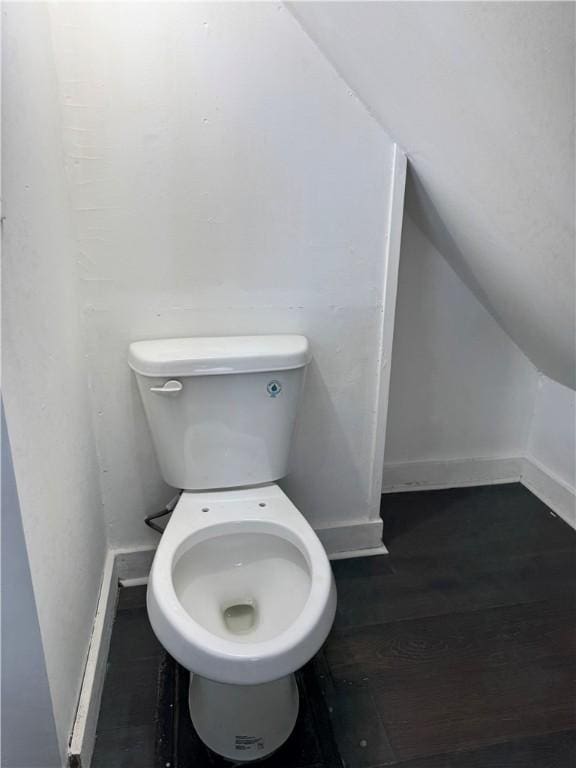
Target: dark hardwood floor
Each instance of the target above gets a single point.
(455, 651)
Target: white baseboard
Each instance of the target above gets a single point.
(429, 475)
(558, 495)
(83, 736)
(355, 539)
(348, 554)
(134, 565)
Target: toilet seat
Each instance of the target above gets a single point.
(192, 586)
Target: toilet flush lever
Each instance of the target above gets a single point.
(171, 387)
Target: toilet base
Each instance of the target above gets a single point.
(243, 722)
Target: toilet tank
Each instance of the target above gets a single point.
(221, 410)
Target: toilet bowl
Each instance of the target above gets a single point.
(241, 593)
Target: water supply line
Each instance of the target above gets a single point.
(166, 511)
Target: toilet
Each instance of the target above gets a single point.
(241, 592)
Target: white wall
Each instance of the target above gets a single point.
(44, 378)
(460, 387)
(481, 96)
(225, 181)
(29, 737)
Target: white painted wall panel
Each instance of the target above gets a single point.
(224, 180)
(45, 386)
(460, 387)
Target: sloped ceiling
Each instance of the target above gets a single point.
(481, 97)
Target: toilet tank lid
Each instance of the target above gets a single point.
(201, 356)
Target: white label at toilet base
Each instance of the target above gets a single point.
(244, 743)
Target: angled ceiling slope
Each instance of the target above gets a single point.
(481, 96)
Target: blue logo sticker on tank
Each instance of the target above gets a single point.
(274, 388)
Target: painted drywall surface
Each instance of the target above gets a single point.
(481, 96)
(225, 181)
(44, 379)
(552, 440)
(460, 387)
(29, 737)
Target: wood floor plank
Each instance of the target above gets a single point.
(427, 585)
(556, 750)
(127, 747)
(129, 696)
(503, 519)
(468, 640)
(132, 637)
(360, 736)
(386, 597)
(131, 597)
(450, 710)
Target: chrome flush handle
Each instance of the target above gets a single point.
(171, 387)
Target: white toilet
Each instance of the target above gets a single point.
(241, 592)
